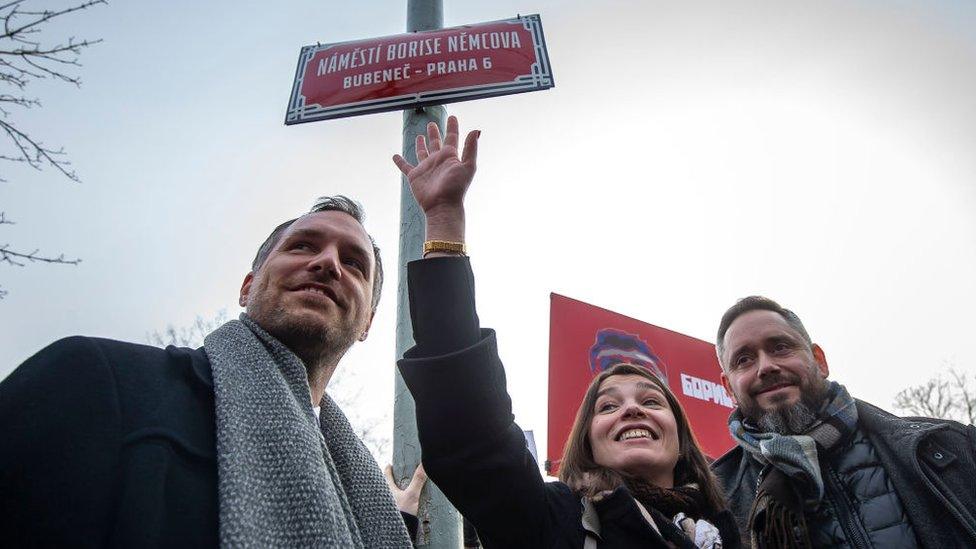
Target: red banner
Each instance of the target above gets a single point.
(420, 68)
(584, 340)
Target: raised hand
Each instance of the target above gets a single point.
(441, 177)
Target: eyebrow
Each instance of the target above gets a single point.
(784, 338)
(313, 234)
(640, 385)
(778, 338)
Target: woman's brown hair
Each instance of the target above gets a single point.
(581, 472)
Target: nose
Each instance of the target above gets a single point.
(766, 365)
(633, 409)
(327, 262)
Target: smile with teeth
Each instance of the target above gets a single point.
(317, 291)
(637, 433)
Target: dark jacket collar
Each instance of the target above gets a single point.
(201, 368)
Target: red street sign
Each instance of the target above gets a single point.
(420, 68)
(585, 340)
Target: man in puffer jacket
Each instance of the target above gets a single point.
(815, 467)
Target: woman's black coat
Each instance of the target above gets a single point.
(471, 446)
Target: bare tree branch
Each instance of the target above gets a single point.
(952, 398)
(929, 399)
(25, 56)
(19, 101)
(35, 18)
(966, 403)
(188, 336)
(35, 153)
(18, 259)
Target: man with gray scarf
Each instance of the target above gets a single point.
(815, 467)
(112, 443)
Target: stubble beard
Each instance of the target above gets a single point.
(317, 344)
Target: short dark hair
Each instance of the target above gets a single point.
(756, 303)
(337, 203)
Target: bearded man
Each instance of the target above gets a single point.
(815, 467)
(106, 443)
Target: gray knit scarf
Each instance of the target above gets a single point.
(285, 479)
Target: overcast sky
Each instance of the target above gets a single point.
(691, 153)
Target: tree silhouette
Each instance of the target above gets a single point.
(951, 396)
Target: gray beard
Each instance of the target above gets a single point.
(798, 418)
(791, 420)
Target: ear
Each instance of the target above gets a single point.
(728, 387)
(245, 289)
(821, 358)
(365, 334)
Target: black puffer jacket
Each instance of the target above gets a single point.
(898, 482)
(862, 507)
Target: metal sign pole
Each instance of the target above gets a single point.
(440, 524)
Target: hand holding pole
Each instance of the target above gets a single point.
(407, 499)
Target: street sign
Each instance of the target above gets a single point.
(419, 69)
(585, 340)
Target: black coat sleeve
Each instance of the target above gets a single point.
(472, 448)
(59, 427)
(412, 524)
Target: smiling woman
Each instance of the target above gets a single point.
(631, 431)
(632, 475)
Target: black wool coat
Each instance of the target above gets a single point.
(472, 448)
(108, 444)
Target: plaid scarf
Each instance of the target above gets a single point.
(790, 482)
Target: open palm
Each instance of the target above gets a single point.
(441, 177)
